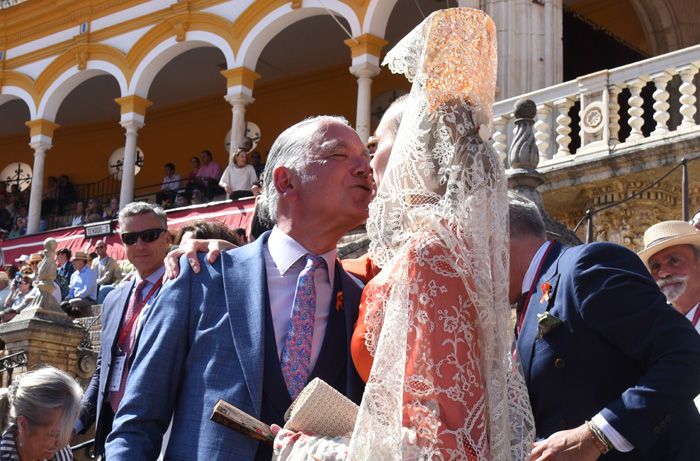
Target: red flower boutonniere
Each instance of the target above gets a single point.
(546, 290)
(339, 301)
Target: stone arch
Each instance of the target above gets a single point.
(173, 37)
(57, 91)
(377, 17)
(18, 86)
(261, 26)
(660, 25)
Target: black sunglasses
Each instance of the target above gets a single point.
(147, 236)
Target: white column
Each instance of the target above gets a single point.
(661, 104)
(238, 104)
(688, 97)
(131, 126)
(37, 191)
(364, 73)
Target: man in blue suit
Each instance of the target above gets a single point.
(610, 367)
(220, 333)
(146, 241)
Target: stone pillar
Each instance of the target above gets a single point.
(239, 82)
(530, 51)
(133, 112)
(43, 331)
(595, 127)
(365, 50)
(41, 133)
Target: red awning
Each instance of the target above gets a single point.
(233, 214)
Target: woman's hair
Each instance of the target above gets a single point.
(35, 393)
(209, 230)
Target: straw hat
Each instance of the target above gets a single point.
(667, 234)
(35, 258)
(80, 255)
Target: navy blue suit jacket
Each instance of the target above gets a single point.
(621, 350)
(92, 409)
(204, 340)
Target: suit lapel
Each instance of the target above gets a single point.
(537, 305)
(110, 329)
(243, 271)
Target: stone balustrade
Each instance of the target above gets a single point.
(617, 111)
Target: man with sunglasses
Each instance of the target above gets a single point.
(143, 229)
(225, 332)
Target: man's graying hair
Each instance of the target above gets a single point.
(524, 217)
(139, 208)
(290, 150)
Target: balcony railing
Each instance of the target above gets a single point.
(604, 112)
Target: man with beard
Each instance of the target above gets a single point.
(672, 255)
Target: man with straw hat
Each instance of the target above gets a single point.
(672, 255)
(82, 292)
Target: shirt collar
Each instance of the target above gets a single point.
(534, 264)
(154, 277)
(285, 251)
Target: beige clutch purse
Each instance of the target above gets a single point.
(321, 410)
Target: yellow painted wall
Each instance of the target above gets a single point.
(176, 134)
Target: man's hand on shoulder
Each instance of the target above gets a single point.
(573, 444)
(213, 248)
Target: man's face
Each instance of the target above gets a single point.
(336, 183)
(61, 259)
(79, 208)
(206, 158)
(677, 272)
(101, 249)
(145, 256)
(385, 142)
(79, 264)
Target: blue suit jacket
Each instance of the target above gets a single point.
(92, 405)
(204, 340)
(621, 350)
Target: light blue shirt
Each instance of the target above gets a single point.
(83, 284)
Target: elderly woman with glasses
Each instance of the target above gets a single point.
(38, 414)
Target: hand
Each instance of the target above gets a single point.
(573, 444)
(190, 249)
(275, 429)
(256, 190)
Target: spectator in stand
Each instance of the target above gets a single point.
(181, 200)
(4, 287)
(19, 228)
(239, 177)
(21, 286)
(93, 211)
(113, 211)
(172, 182)
(208, 174)
(82, 291)
(256, 159)
(192, 181)
(48, 204)
(66, 193)
(79, 216)
(106, 267)
(64, 270)
(34, 260)
(5, 215)
(198, 197)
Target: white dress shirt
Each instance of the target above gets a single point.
(284, 260)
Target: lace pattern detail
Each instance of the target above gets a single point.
(443, 383)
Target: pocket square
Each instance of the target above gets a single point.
(547, 322)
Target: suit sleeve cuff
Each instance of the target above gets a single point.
(619, 442)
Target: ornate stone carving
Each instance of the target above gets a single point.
(523, 152)
(592, 118)
(81, 56)
(47, 276)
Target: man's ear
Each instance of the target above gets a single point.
(282, 180)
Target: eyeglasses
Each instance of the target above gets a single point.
(147, 236)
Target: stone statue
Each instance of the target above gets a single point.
(47, 276)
